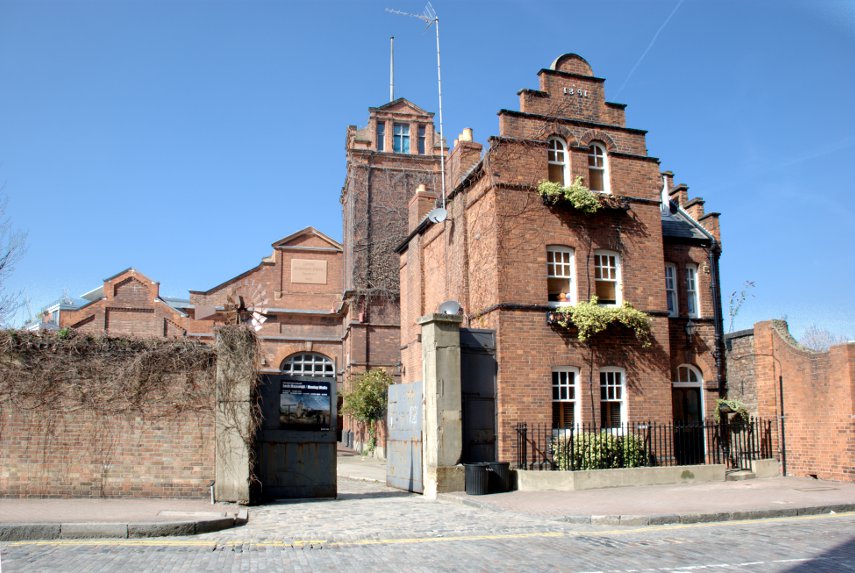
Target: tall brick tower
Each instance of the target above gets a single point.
(397, 151)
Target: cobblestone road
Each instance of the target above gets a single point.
(374, 528)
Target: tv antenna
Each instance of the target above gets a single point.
(429, 17)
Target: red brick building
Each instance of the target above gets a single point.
(394, 153)
(504, 254)
(509, 259)
(128, 304)
(294, 298)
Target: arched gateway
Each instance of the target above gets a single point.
(296, 445)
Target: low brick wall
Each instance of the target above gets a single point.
(78, 454)
(528, 480)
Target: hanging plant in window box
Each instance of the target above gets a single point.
(590, 318)
(578, 196)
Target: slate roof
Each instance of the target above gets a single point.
(678, 225)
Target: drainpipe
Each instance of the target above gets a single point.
(715, 288)
(783, 433)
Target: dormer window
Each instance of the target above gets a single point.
(556, 158)
(597, 168)
(381, 136)
(401, 138)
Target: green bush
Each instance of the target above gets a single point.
(590, 318)
(367, 401)
(598, 451)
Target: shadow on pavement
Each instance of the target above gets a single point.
(375, 495)
(837, 559)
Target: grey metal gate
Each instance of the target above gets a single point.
(404, 442)
(296, 442)
(478, 388)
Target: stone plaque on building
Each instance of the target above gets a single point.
(308, 272)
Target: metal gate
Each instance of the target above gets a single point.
(296, 442)
(404, 442)
(478, 388)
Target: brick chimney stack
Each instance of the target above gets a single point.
(463, 157)
(420, 205)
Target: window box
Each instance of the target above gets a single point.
(589, 318)
(579, 197)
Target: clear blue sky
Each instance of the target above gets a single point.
(183, 138)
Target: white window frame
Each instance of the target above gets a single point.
(689, 369)
(697, 383)
(593, 150)
(569, 266)
(613, 370)
(421, 139)
(567, 370)
(692, 291)
(403, 136)
(381, 141)
(671, 289)
(556, 146)
(617, 278)
(308, 364)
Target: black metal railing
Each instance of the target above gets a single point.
(587, 446)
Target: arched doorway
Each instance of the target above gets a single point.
(687, 405)
(296, 442)
(313, 365)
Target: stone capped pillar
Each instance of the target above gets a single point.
(236, 376)
(443, 411)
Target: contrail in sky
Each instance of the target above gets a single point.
(650, 45)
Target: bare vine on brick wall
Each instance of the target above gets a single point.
(104, 375)
(379, 224)
(239, 353)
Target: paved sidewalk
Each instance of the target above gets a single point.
(682, 503)
(29, 518)
(649, 505)
(352, 465)
(646, 505)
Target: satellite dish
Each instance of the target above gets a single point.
(450, 307)
(438, 215)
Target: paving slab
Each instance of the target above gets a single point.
(355, 466)
(29, 519)
(678, 503)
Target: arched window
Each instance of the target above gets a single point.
(597, 177)
(309, 364)
(556, 157)
(688, 375)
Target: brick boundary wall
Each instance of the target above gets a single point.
(56, 454)
(153, 437)
(818, 390)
